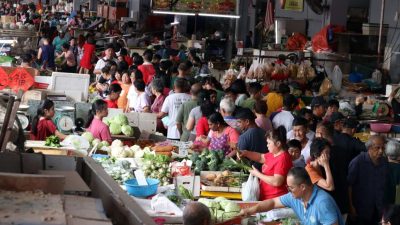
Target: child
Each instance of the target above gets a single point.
(295, 152)
(95, 124)
(262, 121)
(255, 94)
(42, 125)
(113, 94)
(104, 80)
(125, 85)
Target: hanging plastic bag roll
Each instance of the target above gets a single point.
(251, 189)
(336, 78)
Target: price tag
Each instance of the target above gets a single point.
(141, 179)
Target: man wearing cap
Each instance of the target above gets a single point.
(101, 63)
(253, 137)
(336, 119)
(318, 107)
(345, 140)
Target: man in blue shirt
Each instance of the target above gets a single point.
(312, 205)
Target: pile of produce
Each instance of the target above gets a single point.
(207, 160)
(119, 124)
(221, 208)
(157, 167)
(164, 149)
(52, 141)
(94, 141)
(119, 170)
(118, 150)
(225, 179)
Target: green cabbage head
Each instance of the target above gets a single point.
(115, 129)
(127, 130)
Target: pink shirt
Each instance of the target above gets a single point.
(100, 130)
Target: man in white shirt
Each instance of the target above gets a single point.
(171, 107)
(300, 129)
(109, 55)
(285, 117)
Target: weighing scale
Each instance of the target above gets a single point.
(64, 119)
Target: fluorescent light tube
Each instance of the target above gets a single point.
(173, 13)
(220, 15)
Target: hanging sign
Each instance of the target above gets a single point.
(293, 5)
(3, 79)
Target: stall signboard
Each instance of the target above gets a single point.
(196, 6)
(293, 5)
(16, 78)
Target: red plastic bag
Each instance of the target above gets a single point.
(296, 42)
(322, 40)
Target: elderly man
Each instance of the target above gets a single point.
(366, 177)
(227, 108)
(311, 204)
(393, 175)
(196, 213)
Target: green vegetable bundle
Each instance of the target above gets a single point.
(207, 160)
(52, 141)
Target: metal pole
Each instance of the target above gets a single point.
(380, 32)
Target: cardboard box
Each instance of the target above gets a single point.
(38, 94)
(192, 183)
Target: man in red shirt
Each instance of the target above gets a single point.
(147, 67)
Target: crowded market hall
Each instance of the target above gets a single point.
(199, 112)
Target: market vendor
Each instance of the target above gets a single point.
(276, 164)
(95, 124)
(42, 125)
(307, 201)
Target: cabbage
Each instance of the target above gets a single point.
(127, 130)
(115, 129)
(105, 143)
(98, 142)
(118, 151)
(88, 136)
(209, 203)
(117, 143)
(120, 119)
(135, 148)
(220, 199)
(229, 206)
(139, 154)
(107, 121)
(224, 216)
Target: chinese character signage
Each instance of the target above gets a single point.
(16, 78)
(294, 5)
(196, 6)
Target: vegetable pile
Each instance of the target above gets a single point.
(221, 208)
(157, 167)
(225, 179)
(94, 141)
(52, 141)
(119, 170)
(207, 160)
(119, 124)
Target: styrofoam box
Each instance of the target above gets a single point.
(192, 183)
(390, 88)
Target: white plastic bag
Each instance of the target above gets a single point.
(336, 78)
(377, 76)
(251, 189)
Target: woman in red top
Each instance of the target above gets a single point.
(147, 67)
(202, 127)
(277, 163)
(42, 125)
(88, 54)
(113, 94)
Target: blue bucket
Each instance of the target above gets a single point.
(356, 77)
(136, 190)
(100, 156)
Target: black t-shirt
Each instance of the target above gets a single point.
(339, 168)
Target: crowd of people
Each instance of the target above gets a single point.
(310, 153)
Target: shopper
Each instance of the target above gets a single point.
(125, 85)
(294, 149)
(42, 124)
(88, 56)
(69, 61)
(196, 213)
(221, 136)
(285, 117)
(318, 167)
(300, 133)
(202, 127)
(227, 107)
(252, 137)
(367, 178)
(95, 124)
(309, 202)
(143, 102)
(101, 63)
(318, 107)
(46, 55)
(254, 90)
(171, 106)
(157, 87)
(113, 93)
(393, 176)
(262, 121)
(60, 40)
(147, 67)
(274, 100)
(184, 111)
(276, 165)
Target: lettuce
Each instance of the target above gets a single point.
(88, 136)
(120, 119)
(229, 206)
(115, 129)
(127, 130)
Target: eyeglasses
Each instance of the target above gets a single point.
(290, 189)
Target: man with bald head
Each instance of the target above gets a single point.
(184, 110)
(366, 178)
(196, 213)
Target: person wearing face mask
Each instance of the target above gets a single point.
(367, 178)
